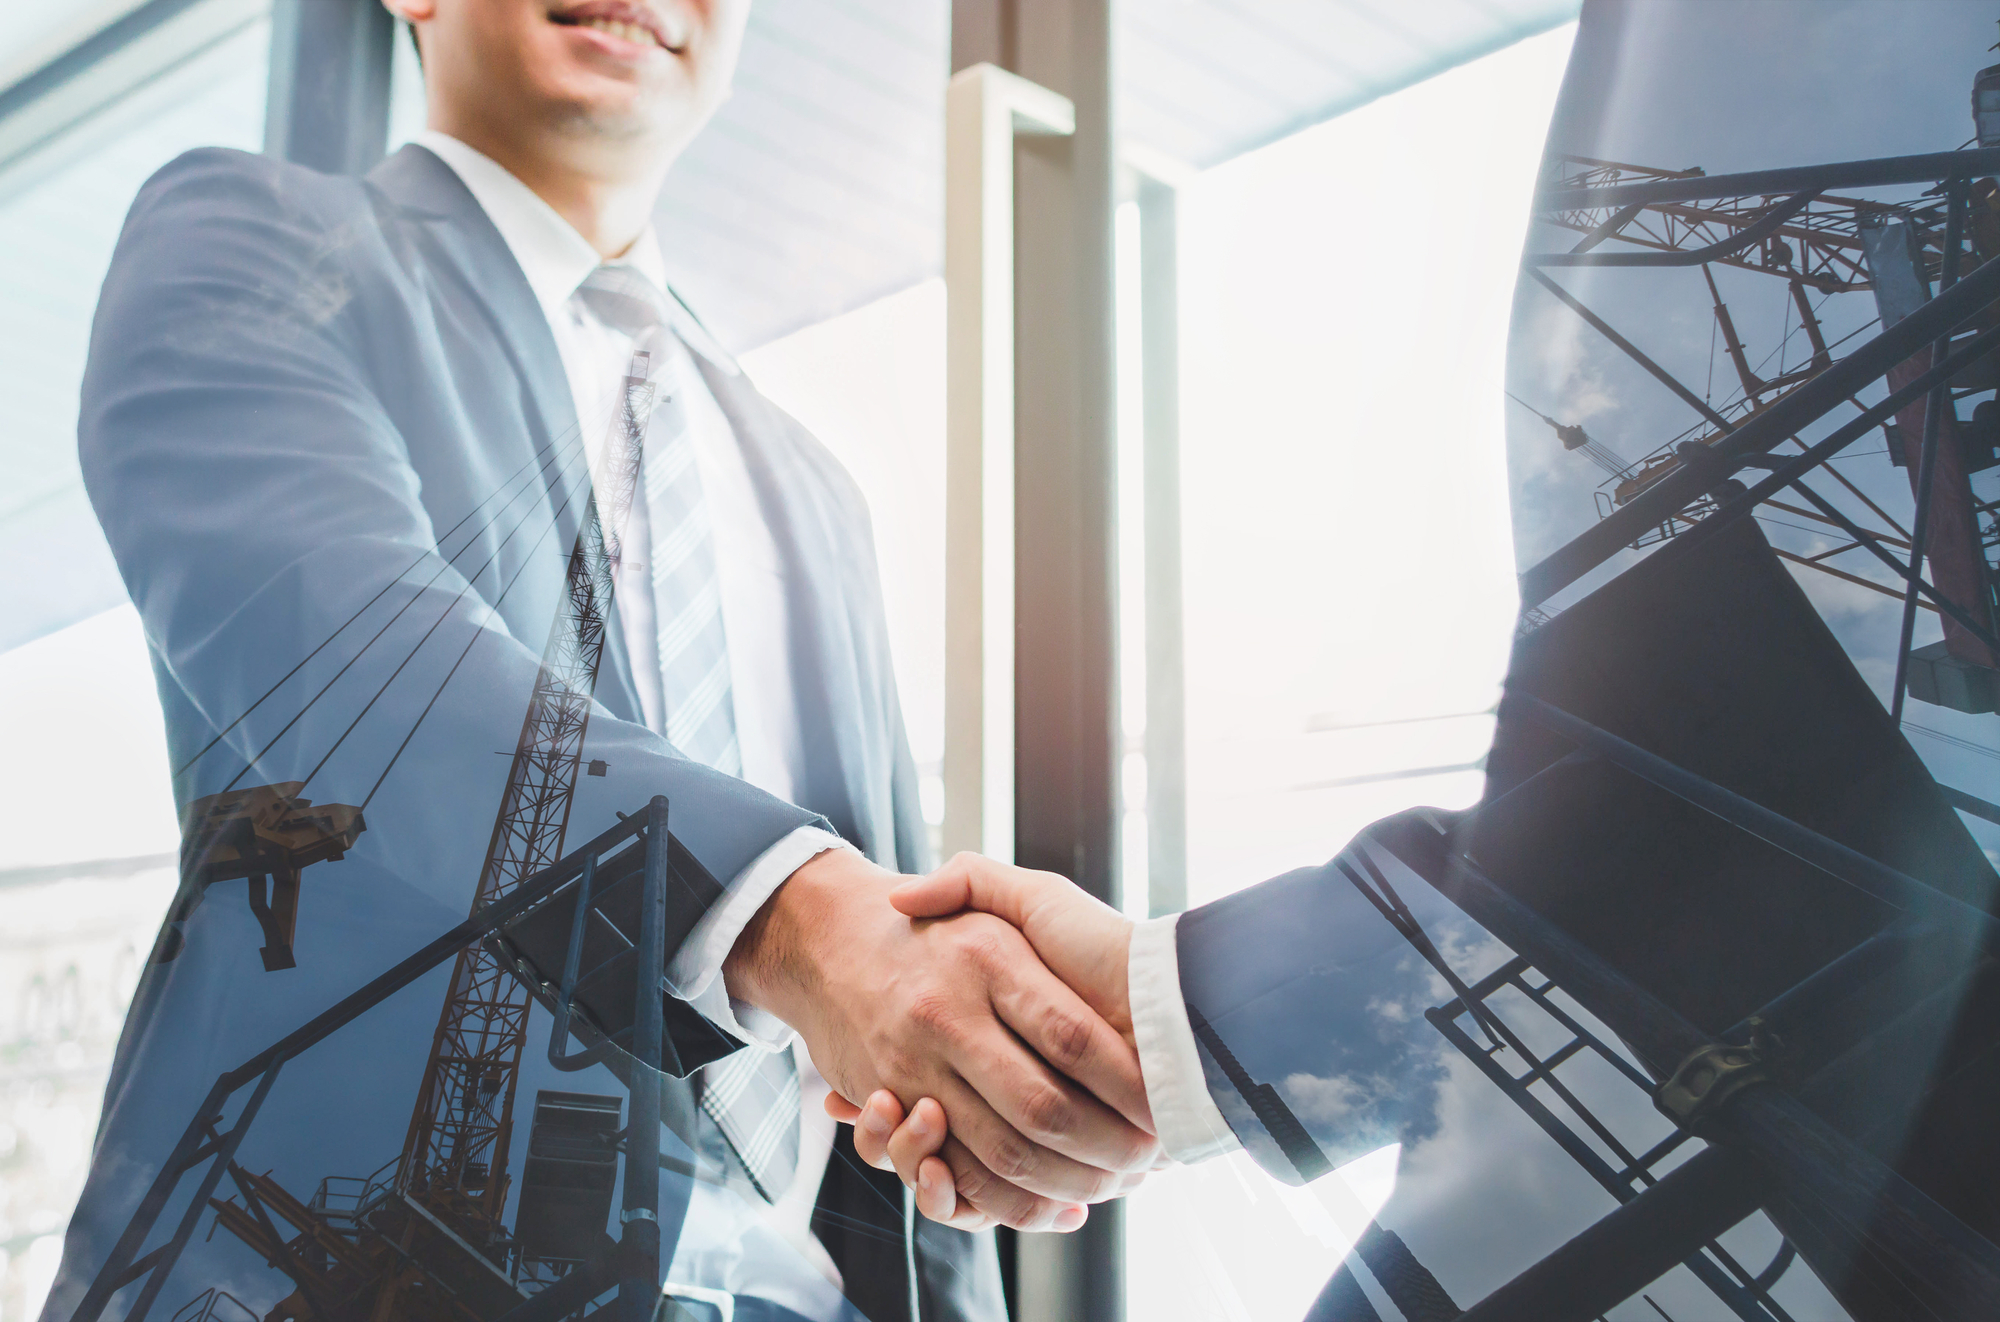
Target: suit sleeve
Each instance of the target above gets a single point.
(1292, 1013)
(261, 500)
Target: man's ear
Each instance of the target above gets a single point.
(412, 11)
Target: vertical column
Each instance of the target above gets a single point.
(328, 105)
(1166, 684)
(1066, 713)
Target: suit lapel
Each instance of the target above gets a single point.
(466, 250)
(838, 705)
(457, 228)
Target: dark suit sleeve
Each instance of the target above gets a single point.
(1307, 1005)
(258, 495)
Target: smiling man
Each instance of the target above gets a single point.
(339, 433)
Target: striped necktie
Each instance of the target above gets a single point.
(753, 1096)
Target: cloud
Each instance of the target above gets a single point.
(1332, 1101)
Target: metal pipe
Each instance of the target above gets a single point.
(1763, 227)
(1619, 1255)
(1873, 956)
(1926, 168)
(1783, 419)
(639, 1270)
(565, 993)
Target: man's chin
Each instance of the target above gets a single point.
(626, 109)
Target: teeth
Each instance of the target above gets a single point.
(631, 32)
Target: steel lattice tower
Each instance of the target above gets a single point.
(455, 1155)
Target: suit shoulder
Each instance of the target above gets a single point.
(222, 189)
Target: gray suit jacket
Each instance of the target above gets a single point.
(322, 408)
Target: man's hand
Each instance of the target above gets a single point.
(962, 1011)
(1083, 941)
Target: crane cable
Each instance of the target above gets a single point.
(421, 557)
(258, 756)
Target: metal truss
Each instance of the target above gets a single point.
(343, 1250)
(455, 1154)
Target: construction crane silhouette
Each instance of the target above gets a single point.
(1574, 437)
(1832, 245)
(268, 836)
(423, 1238)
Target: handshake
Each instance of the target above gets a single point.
(982, 1015)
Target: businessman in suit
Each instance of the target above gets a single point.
(355, 421)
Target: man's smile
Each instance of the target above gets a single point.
(628, 22)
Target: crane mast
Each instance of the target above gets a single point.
(454, 1157)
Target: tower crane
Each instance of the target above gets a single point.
(423, 1239)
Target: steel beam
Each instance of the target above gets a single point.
(1879, 172)
(1823, 1179)
(1761, 433)
(1761, 229)
(125, 1263)
(1635, 1245)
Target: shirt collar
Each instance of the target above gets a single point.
(552, 255)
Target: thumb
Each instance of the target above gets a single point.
(970, 881)
(942, 892)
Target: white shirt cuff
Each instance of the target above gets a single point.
(1191, 1127)
(695, 972)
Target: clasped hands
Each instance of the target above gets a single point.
(982, 1013)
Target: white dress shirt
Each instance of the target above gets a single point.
(718, 1247)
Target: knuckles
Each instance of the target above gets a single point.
(1066, 1039)
(1046, 1112)
(986, 943)
(1012, 1158)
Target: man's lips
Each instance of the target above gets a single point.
(638, 24)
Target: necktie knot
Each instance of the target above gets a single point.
(624, 300)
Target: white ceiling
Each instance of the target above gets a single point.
(820, 185)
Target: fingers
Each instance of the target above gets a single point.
(912, 1148)
(981, 1193)
(874, 1122)
(912, 1151)
(843, 1110)
(1013, 1157)
(1059, 1027)
(937, 1196)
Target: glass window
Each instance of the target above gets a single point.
(1347, 557)
(86, 859)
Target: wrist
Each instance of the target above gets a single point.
(778, 960)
